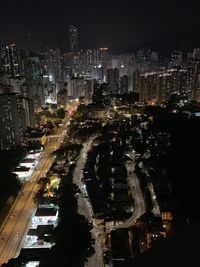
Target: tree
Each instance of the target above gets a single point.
(49, 125)
(61, 113)
(72, 235)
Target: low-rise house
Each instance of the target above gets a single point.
(29, 163)
(45, 216)
(37, 237)
(23, 172)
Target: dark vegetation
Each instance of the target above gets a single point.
(182, 159)
(72, 236)
(9, 182)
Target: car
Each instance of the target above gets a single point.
(17, 234)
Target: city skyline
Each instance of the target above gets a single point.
(99, 132)
(33, 25)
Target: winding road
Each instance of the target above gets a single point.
(85, 208)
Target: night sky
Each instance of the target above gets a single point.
(34, 24)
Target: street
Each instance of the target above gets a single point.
(15, 225)
(85, 208)
(98, 232)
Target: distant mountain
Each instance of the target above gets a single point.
(184, 41)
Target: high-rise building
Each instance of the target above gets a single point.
(163, 87)
(62, 98)
(11, 61)
(113, 80)
(11, 120)
(90, 64)
(54, 64)
(148, 88)
(176, 58)
(124, 82)
(54, 72)
(35, 85)
(75, 87)
(159, 86)
(154, 56)
(134, 81)
(27, 94)
(73, 38)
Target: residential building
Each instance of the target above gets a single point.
(113, 80)
(73, 38)
(12, 120)
(11, 61)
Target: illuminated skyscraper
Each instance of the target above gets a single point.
(73, 38)
(11, 61)
(54, 64)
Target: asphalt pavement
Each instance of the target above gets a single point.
(15, 226)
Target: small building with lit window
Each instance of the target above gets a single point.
(45, 216)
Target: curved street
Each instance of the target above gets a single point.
(15, 226)
(85, 208)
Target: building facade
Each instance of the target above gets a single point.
(73, 38)
(12, 120)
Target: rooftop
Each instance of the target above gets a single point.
(46, 212)
(36, 134)
(41, 231)
(21, 169)
(28, 160)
